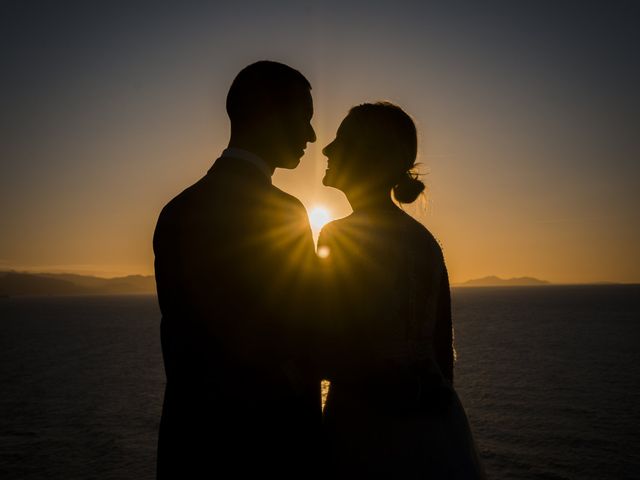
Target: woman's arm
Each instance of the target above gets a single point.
(443, 335)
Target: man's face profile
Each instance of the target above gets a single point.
(270, 108)
(292, 129)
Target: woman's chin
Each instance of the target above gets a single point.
(328, 180)
(331, 180)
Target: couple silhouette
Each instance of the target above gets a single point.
(253, 319)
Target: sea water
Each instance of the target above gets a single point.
(549, 377)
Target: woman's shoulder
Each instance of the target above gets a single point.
(419, 237)
(400, 225)
(335, 225)
(340, 227)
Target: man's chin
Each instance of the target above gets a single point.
(289, 163)
(289, 160)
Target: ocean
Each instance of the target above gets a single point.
(549, 377)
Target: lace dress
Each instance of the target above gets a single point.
(391, 409)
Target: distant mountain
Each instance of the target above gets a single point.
(493, 281)
(128, 284)
(20, 283)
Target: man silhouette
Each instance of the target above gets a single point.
(232, 258)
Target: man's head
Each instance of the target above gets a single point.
(270, 108)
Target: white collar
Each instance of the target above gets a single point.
(239, 153)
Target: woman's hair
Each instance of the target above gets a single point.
(392, 142)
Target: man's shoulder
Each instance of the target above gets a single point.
(182, 201)
(188, 204)
(286, 200)
(283, 213)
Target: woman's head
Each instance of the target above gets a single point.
(375, 148)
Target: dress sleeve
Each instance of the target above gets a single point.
(443, 335)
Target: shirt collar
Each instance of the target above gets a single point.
(239, 153)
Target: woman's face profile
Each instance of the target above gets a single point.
(344, 156)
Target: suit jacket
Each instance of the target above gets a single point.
(233, 258)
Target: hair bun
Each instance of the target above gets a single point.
(408, 188)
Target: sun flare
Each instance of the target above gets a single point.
(319, 216)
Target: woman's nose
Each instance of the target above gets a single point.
(327, 149)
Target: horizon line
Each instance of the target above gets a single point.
(453, 284)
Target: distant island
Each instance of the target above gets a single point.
(493, 281)
(21, 283)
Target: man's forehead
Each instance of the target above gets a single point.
(309, 101)
(303, 96)
(301, 99)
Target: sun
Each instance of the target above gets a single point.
(319, 216)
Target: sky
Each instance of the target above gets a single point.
(527, 115)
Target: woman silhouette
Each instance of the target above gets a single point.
(391, 410)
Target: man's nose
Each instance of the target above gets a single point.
(312, 134)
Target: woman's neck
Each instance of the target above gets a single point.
(368, 201)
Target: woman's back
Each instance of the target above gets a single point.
(391, 409)
(389, 290)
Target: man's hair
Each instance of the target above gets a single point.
(261, 85)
